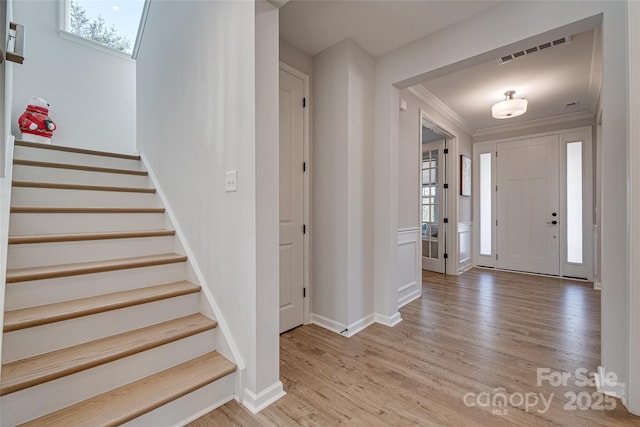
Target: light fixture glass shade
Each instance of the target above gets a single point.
(509, 108)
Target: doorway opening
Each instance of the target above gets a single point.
(434, 198)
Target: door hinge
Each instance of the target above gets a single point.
(445, 220)
(304, 102)
(496, 188)
(496, 222)
(445, 256)
(446, 186)
(304, 228)
(446, 151)
(496, 257)
(304, 292)
(496, 154)
(304, 166)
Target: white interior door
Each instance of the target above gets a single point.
(528, 205)
(433, 207)
(291, 201)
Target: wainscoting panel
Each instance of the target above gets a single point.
(409, 266)
(464, 245)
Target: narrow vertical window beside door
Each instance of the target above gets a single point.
(485, 204)
(574, 202)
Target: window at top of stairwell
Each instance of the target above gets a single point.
(113, 24)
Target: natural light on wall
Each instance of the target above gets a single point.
(574, 202)
(485, 204)
(113, 24)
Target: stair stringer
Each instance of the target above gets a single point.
(225, 344)
(5, 207)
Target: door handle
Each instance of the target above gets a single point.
(554, 222)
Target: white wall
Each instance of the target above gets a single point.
(477, 40)
(360, 183)
(92, 93)
(634, 162)
(329, 195)
(342, 187)
(197, 119)
(267, 280)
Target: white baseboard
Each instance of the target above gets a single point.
(619, 389)
(359, 325)
(340, 328)
(389, 321)
(257, 402)
(465, 267)
(352, 329)
(409, 297)
(327, 323)
(597, 286)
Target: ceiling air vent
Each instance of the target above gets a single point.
(534, 49)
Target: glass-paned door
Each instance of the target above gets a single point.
(432, 206)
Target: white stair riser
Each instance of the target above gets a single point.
(27, 153)
(70, 176)
(36, 254)
(39, 400)
(41, 339)
(52, 223)
(198, 402)
(28, 196)
(47, 291)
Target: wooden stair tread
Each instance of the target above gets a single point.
(133, 400)
(65, 209)
(59, 186)
(23, 162)
(65, 310)
(39, 369)
(76, 150)
(75, 237)
(62, 270)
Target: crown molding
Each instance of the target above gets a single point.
(580, 115)
(434, 102)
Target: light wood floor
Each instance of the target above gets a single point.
(467, 334)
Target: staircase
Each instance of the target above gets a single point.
(102, 322)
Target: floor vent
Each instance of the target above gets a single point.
(534, 49)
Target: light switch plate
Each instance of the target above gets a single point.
(231, 180)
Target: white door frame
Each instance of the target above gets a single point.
(584, 134)
(436, 264)
(452, 166)
(307, 190)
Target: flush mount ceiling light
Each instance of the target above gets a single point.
(510, 107)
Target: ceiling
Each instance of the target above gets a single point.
(549, 79)
(378, 26)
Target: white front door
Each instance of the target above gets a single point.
(433, 207)
(291, 201)
(528, 206)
